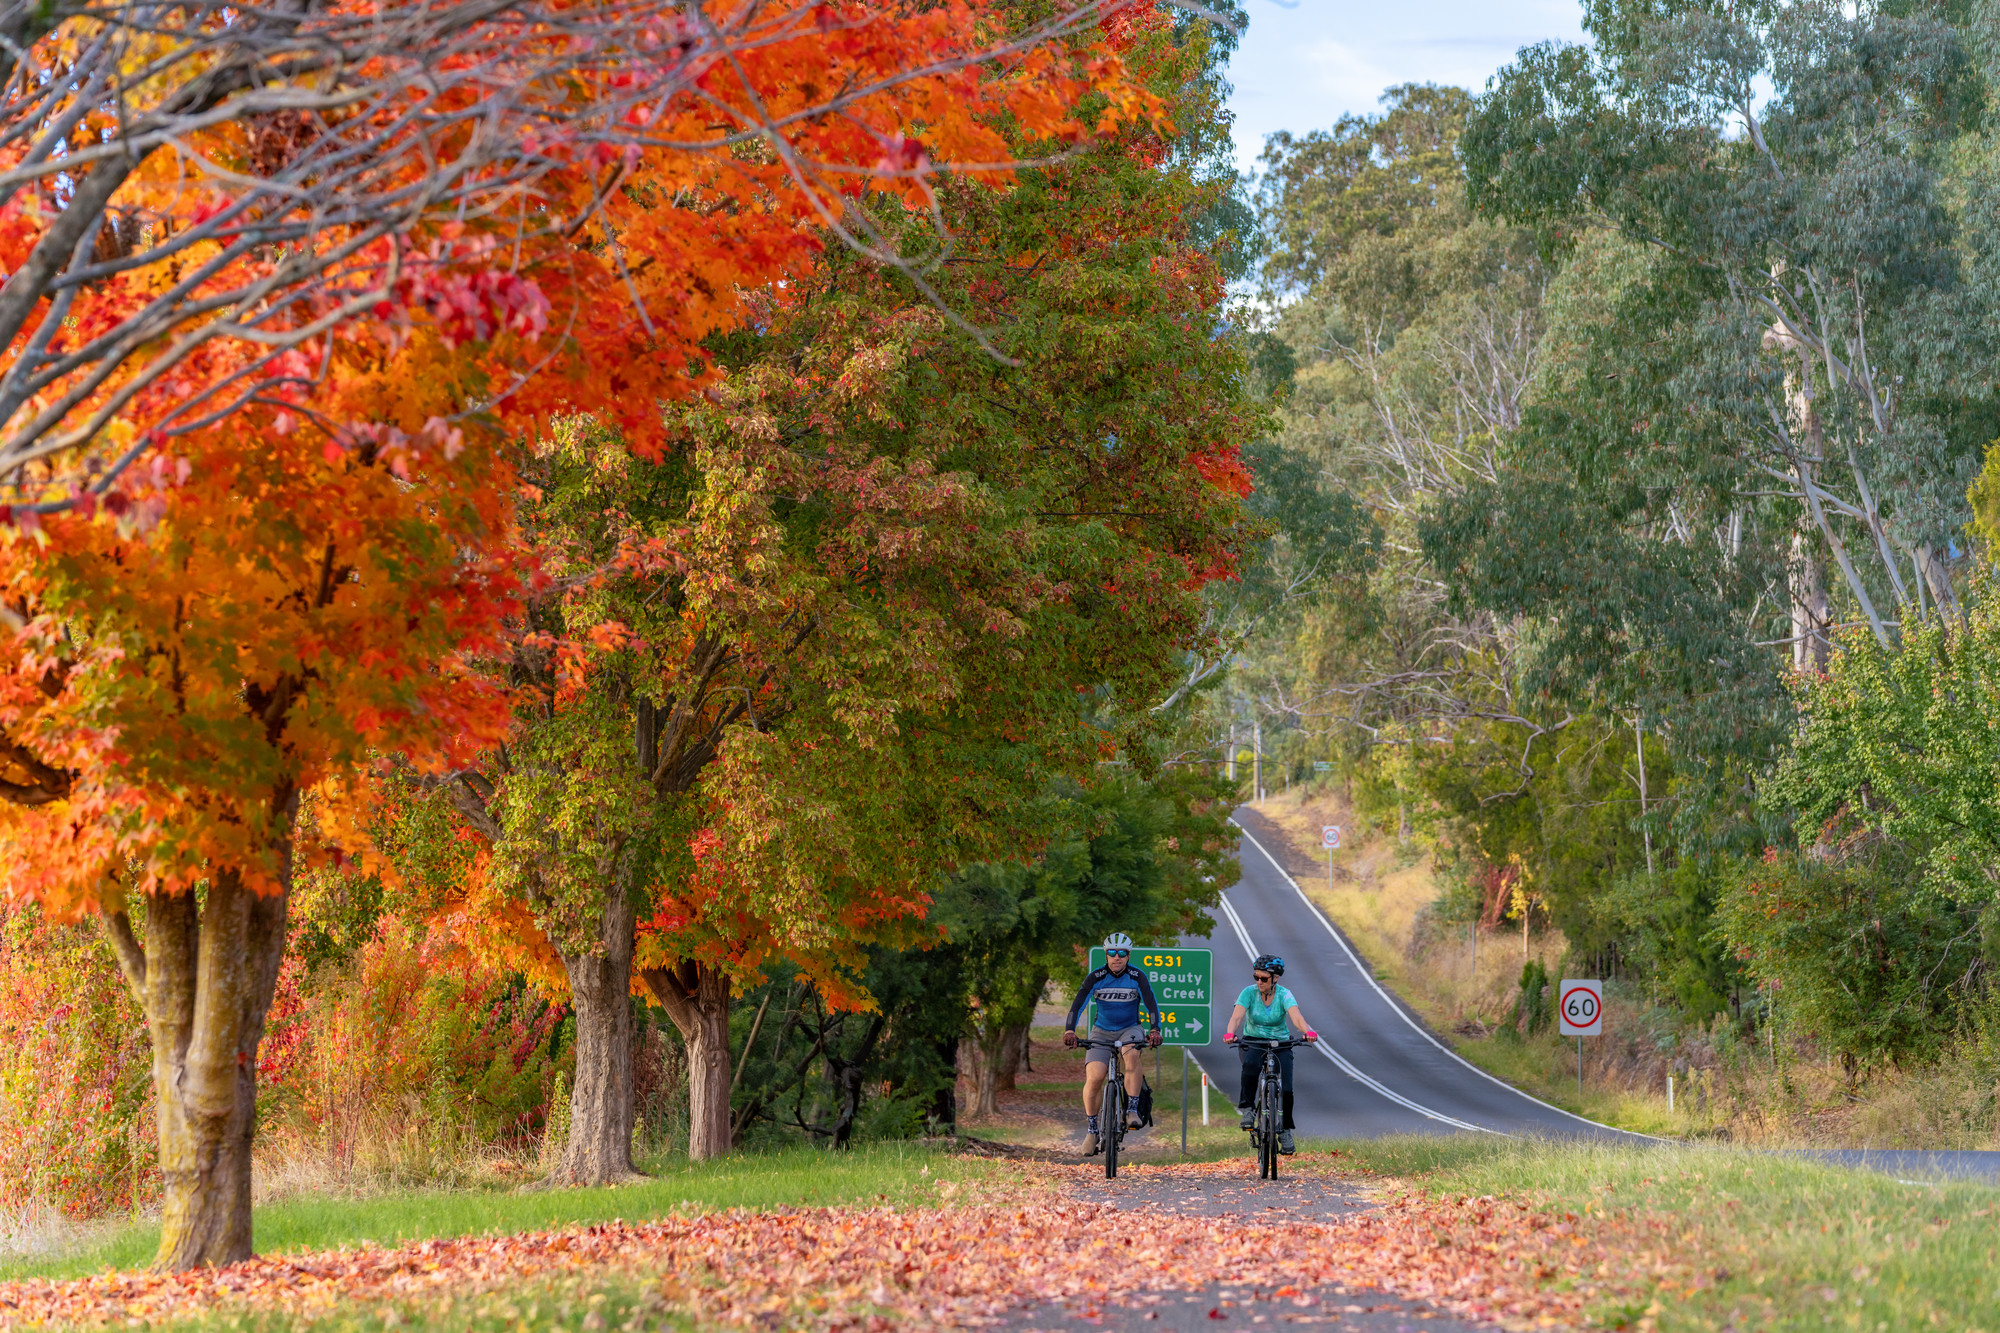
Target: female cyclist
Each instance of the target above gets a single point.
(1262, 1012)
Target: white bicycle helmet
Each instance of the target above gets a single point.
(1118, 939)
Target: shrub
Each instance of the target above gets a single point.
(75, 1067)
(400, 1061)
(414, 1037)
(1532, 1009)
(1865, 955)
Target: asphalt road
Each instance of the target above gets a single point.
(1376, 1069)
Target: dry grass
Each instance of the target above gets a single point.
(369, 1150)
(32, 1231)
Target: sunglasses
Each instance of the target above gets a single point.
(1260, 976)
(1117, 953)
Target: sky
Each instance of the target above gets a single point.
(1305, 63)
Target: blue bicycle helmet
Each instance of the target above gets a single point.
(1269, 962)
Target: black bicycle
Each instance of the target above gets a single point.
(1268, 1115)
(1112, 1109)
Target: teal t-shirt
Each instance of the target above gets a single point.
(1266, 1021)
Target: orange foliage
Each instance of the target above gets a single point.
(270, 596)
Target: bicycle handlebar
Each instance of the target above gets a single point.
(1272, 1043)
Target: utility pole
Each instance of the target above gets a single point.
(1257, 757)
(1639, 731)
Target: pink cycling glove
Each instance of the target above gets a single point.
(1312, 1036)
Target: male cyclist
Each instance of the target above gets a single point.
(1119, 989)
(1261, 1013)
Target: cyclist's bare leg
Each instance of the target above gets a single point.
(1130, 1056)
(1093, 1087)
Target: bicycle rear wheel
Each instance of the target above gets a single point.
(1113, 1122)
(1257, 1129)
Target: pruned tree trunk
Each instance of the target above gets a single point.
(979, 1059)
(1013, 1051)
(204, 977)
(696, 998)
(601, 1107)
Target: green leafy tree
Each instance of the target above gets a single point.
(1880, 966)
(1826, 279)
(1144, 856)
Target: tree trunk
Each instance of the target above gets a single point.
(979, 1057)
(696, 998)
(944, 1104)
(1936, 575)
(204, 978)
(601, 1107)
(845, 1075)
(1013, 1051)
(1811, 646)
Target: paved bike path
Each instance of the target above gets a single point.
(1218, 1307)
(1376, 1070)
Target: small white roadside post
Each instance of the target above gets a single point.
(1329, 837)
(1580, 1010)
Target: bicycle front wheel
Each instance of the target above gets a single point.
(1114, 1124)
(1268, 1157)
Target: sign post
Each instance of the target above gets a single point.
(1187, 1060)
(1580, 1011)
(1330, 836)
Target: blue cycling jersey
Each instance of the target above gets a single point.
(1118, 996)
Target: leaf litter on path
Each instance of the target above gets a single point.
(967, 1263)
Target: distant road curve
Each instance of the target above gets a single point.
(1379, 1070)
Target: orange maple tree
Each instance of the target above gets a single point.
(262, 509)
(194, 201)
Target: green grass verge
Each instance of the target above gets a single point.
(593, 1302)
(899, 1173)
(1803, 1246)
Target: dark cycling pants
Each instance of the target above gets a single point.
(1253, 1067)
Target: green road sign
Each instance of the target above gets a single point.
(1182, 981)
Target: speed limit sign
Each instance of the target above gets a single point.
(1580, 1005)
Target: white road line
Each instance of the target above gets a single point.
(1346, 1066)
(1402, 1014)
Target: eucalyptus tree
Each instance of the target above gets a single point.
(1821, 266)
(1413, 332)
